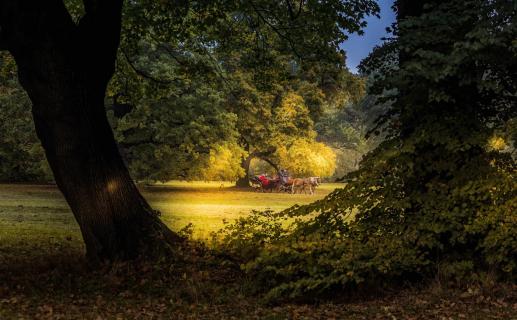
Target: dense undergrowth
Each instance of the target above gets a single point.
(371, 234)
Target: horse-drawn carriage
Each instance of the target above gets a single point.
(264, 183)
(283, 183)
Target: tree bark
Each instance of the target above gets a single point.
(244, 181)
(65, 68)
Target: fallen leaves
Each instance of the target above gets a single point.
(197, 285)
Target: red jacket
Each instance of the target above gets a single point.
(264, 180)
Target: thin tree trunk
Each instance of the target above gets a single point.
(65, 69)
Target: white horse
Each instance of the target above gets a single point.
(302, 184)
(313, 182)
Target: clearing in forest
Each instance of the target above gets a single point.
(32, 214)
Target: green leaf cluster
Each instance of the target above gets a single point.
(22, 158)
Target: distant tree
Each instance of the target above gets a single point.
(255, 67)
(305, 158)
(344, 129)
(358, 126)
(176, 136)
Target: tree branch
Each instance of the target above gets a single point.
(264, 155)
(293, 15)
(276, 30)
(171, 52)
(261, 154)
(90, 6)
(146, 75)
(30, 24)
(103, 15)
(271, 163)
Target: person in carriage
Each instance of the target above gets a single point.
(263, 178)
(281, 182)
(266, 183)
(285, 180)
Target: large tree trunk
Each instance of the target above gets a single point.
(244, 181)
(65, 69)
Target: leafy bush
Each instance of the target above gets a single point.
(371, 232)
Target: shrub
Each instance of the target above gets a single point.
(378, 230)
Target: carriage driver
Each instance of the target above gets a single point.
(284, 176)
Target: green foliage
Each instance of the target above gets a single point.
(307, 158)
(370, 233)
(21, 155)
(195, 78)
(438, 196)
(381, 61)
(254, 55)
(345, 128)
(177, 136)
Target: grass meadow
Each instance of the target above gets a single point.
(44, 275)
(39, 213)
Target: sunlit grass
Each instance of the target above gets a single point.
(32, 214)
(41, 258)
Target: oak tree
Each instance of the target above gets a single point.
(65, 67)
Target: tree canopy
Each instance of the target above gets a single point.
(195, 78)
(253, 60)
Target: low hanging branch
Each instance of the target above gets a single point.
(264, 156)
(271, 163)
